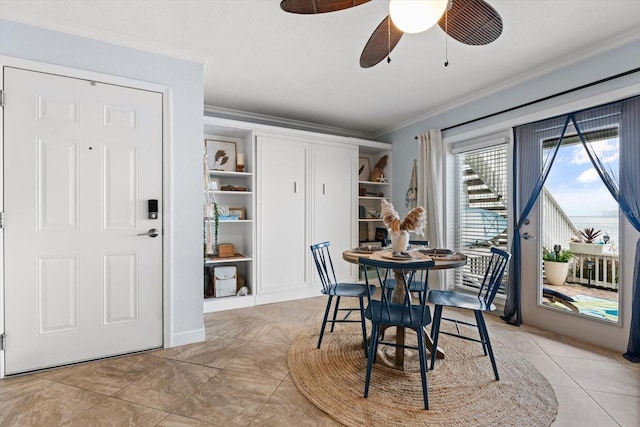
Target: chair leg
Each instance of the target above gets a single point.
(422, 353)
(364, 328)
(435, 332)
(324, 319)
(335, 313)
(478, 315)
(485, 331)
(375, 330)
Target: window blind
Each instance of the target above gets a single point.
(481, 210)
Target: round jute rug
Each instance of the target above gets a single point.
(462, 388)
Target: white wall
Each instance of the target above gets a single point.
(183, 206)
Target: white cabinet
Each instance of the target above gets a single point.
(282, 215)
(302, 188)
(334, 207)
(306, 196)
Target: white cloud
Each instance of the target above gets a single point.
(589, 176)
(605, 150)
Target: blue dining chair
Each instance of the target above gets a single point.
(397, 309)
(331, 288)
(419, 285)
(479, 303)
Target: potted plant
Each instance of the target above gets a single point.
(584, 243)
(556, 265)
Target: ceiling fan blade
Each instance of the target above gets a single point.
(318, 6)
(472, 22)
(383, 40)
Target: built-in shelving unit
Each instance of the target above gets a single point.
(299, 187)
(241, 232)
(370, 193)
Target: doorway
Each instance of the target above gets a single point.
(82, 253)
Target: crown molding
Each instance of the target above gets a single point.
(579, 56)
(244, 116)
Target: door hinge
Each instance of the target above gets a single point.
(3, 342)
(1, 98)
(1, 220)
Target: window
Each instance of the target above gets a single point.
(481, 211)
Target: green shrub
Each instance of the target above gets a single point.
(563, 256)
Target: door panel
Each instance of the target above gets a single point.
(81, 158)
(334, 189)
(282, 215)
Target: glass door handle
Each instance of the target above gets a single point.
(527, 236)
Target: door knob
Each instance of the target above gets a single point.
(527, 236)
(151, 233)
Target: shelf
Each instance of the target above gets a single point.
(370, 219)
(235, 193)
(212, 260)
(227, 221)
(373, 183)
(372, 198)
(229, 173)
(226, 303)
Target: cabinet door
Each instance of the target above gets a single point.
(282, 214)
(334, 190)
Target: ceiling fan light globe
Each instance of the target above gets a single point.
(416, 16)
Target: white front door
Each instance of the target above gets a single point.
(81, 160)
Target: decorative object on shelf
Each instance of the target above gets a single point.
(224, 280)
(226, 250)
(415, 221)
(221, 155)
(230, 187)
(240, 163)
(210, 209)
(381, 235)
(214, 184)
(364, 169)
(243, 291)
(556, 265)
(208, 282)
(377, 174)
(239, 212)
(584, 243)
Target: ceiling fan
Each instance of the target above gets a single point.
(472, 22)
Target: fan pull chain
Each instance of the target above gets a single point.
(446, 37)
(388, 39)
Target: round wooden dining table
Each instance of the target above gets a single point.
(442, 261)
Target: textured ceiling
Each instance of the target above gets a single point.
(264, 61)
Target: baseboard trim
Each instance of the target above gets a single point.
(188, 337)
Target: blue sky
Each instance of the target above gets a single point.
(575, 184)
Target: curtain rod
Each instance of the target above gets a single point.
(526, 104)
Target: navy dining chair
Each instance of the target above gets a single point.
(400, 311)
(421, 284)
(332, 288)
(479, 303)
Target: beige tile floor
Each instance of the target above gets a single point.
(239, 377)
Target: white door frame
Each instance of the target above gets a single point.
(166, 172)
